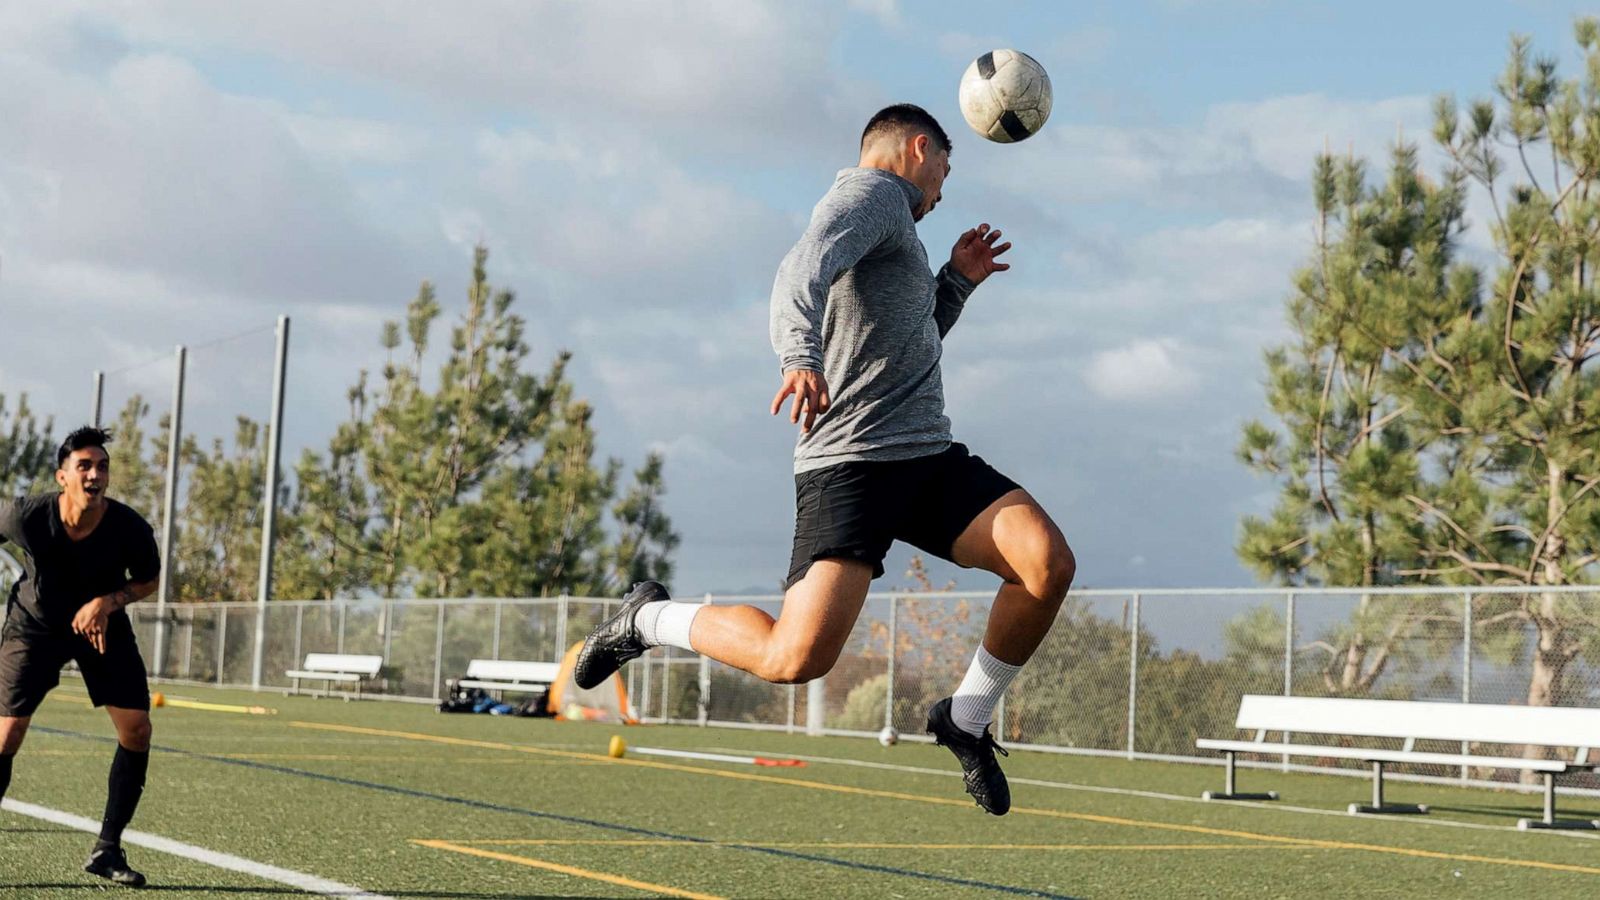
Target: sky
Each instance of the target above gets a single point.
(185, 172)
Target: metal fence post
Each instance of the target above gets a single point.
(816, 707)
(438, 654)
(792, 702)
(495, 650)
(1288, 659)
(222, 641)
(888, 694)
(1133, 676)
(666, 684)
(188, 647)
(562, 611)
(339, 645)
(299, 633)
(388, 629)
(1466, 667)
(704, 704)
(99, 397)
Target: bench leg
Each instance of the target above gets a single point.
(1378, 807)
(1550, 821)
(1229, 777)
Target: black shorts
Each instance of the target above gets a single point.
(31, 661)
(855, 510)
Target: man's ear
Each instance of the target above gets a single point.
(919, 148)
(61, 477)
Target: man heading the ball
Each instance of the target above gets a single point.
(85, 557)
(858, 322)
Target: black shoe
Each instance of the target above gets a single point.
(111, 863)
(979, 769)
(616, 640)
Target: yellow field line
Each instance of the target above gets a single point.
(864, 845)
(947, 801)
(568, 870)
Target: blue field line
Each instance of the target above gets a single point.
(578, 820)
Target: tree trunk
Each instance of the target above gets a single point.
(1550, 659)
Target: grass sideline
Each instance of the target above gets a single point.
(399, 800)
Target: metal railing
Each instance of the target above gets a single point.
(1139, 674)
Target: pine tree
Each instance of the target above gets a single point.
(1524, 396)
(1345, 454)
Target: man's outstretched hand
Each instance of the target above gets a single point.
(975, 251)
(810, 392)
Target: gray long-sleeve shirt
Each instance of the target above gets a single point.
(855, 300)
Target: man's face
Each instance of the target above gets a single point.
(930, 176)
(85, 475)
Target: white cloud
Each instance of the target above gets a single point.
(1144, 370)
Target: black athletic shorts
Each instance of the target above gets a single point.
(31, 661)
(855, 510)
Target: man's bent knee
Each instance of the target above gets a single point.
(135, 734)
(12, 730)
(796, 666)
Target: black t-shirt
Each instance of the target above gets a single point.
(61, 575)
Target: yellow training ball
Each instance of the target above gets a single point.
(617, 747)
(158, 699)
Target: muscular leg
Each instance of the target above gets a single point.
(1015, 539)
(12, 730)
(126, 783)
(804, 641)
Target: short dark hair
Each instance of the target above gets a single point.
(904, 117)
(83, 438)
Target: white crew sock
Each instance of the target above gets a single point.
(666, 624)
(972, 707)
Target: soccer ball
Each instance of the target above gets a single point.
(1005, 96)
(888, 736)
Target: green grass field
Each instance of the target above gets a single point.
(401, 801)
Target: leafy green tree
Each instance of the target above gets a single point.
(27, 450)
(1346, 454)
(218, 550)
(1517, 390)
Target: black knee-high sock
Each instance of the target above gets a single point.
(123, 791)
(5, 772)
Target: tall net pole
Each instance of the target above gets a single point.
(269, 502)
(169, 508)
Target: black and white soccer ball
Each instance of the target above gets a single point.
(1005, 96)
(888, 736)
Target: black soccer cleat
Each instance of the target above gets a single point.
(112, 864)
(979, 769)
(616, 640)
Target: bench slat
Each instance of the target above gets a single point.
(343, 662)
(503, 685)
(1370, 754)
(1423, 720)
(513, 670)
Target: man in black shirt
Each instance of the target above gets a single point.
(85, 557)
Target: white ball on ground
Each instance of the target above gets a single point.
(888, 736)
(1005, 96)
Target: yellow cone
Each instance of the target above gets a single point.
(617, 747)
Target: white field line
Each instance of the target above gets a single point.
(1157, 795)
(301, 880)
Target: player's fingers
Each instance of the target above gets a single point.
(991, 236)
(777, 399)
(1001, 249)
(1001, 267)
(799, 401)
(823, 401)
(811, 416)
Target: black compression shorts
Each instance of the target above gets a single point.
(855, 510)
(31, 661)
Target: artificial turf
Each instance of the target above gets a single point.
(399, 800)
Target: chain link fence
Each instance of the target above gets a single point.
(1137, 674)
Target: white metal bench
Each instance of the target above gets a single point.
(342, 667)
(1414, 721)
(509, 675)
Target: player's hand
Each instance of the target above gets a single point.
(810, 392)
(90, 622)
(975, 251)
